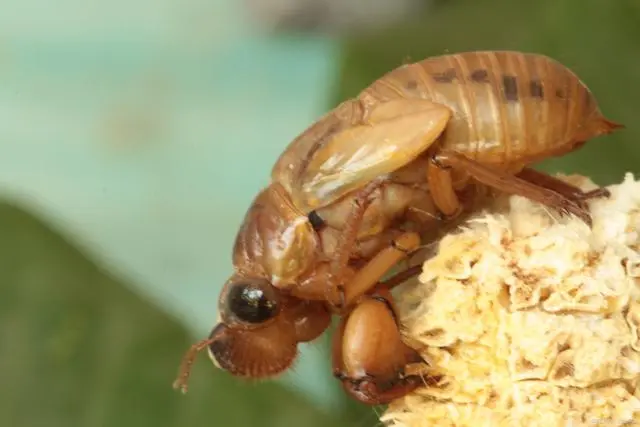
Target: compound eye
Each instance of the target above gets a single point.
(252, 302)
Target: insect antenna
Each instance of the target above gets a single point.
(187, 362)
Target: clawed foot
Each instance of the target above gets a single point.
(367, 390)
(577, 204)
(570, 207)
(598, 193)
(373, 390)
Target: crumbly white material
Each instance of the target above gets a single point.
(530, 318)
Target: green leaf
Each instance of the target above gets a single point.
(80, 349)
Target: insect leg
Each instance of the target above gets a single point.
(369, 356)
(369, 276)
(401, 277)
(441, 188)
(345, 246)
(512, 184)
(559, 186)
(350, 231)
(187, 361)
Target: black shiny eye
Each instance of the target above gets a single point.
(252, 302)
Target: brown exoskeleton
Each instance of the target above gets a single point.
(350, 196)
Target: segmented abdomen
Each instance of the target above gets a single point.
(508, 107)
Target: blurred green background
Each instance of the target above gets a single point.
(134, 134)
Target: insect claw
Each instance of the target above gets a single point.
(336, 296)
(583, 215)
(594, 194)
(570, 208)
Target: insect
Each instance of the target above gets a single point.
(353, 194)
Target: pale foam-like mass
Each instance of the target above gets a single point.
(531, 318)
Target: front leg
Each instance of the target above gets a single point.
(347, 243)
(368, 277)
(369, 356)
(351, 284)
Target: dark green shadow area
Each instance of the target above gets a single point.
(77, 348)
(599, 40)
